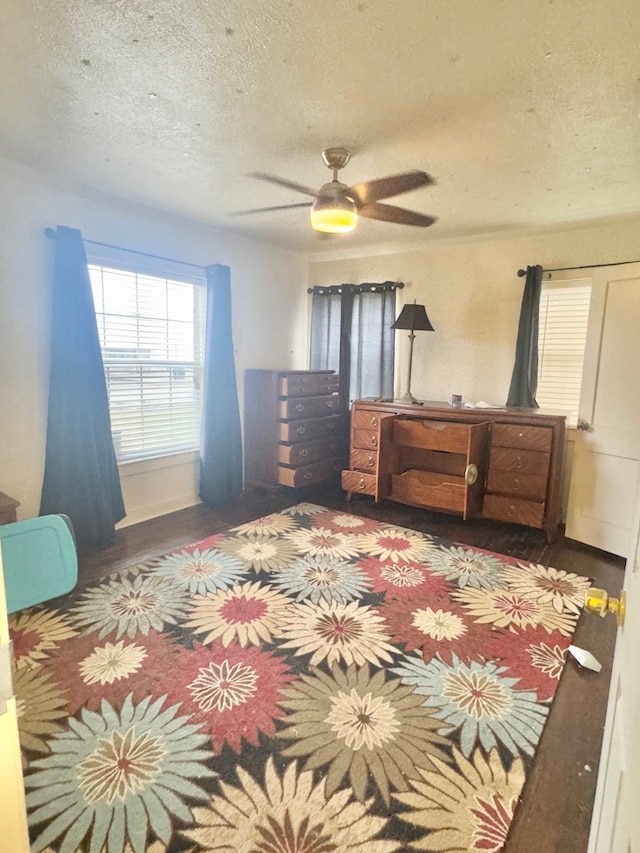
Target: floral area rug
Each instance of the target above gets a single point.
(310, 682)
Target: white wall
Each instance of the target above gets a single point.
(472, 296)
(269, 320)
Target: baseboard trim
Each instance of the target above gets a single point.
(157, 509)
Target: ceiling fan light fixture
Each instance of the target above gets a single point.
(334, 211)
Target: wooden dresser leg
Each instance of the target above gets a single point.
(552, 534)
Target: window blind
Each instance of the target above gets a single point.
(151, 331)
(564, 314)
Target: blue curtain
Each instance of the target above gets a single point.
(81, 474)
(221, 442)
(524, 379)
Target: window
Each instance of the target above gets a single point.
(564, 313)
(151, 331)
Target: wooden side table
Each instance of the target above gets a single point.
(8, 507)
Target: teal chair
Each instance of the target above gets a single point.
(39, 558)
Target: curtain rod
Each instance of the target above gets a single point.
(50, 233)
(364, 287)
(522, 273)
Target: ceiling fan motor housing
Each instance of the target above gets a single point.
(335, 194)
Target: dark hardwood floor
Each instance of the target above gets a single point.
(554, 815)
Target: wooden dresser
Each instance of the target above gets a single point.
(8, 507)
(292, 427)
(503, 464)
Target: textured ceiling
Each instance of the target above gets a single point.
(526, 113)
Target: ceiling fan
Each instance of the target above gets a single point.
(336, 207)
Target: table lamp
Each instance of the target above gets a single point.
(414, 318)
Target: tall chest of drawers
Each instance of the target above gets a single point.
(292, 427)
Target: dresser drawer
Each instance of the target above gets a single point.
(519, 511)
(362, 419)
(294, 432)
(308, 384)
(364, 460)
(527, 437)
(530, 486)
(519, 461)
(431, 435)
(427, 488)
(308, 474)
(295, 408)
(356, 481)
(311, 451)
(365, 439)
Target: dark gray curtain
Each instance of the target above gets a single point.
(81, 474)
(524, 379)
(372, 344)
(326, 307)
(351, 333)
(221, 443)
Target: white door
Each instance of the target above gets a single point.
(606, 467)
(615, 822)
(13, 815)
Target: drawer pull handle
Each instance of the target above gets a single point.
(374, 421)
(302, 390)
(374, 441)
(308, 475)
(471, 474)
(301, 430)
(300, 407)
(361, 483)
(518, 463)
(331, 404)
(304, 452)
(331, 425)
(511, 511)
(520, 435)
(516, 483)
(371, 462)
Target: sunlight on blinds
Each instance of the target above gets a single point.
(564, 313)
(151, 333)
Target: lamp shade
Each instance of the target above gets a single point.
(413, 317)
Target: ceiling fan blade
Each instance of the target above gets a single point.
(282, 182)
(389, 213)
(267, 209)
(392, 185)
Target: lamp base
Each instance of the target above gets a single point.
(408, 398)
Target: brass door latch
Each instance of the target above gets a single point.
(598, 601)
